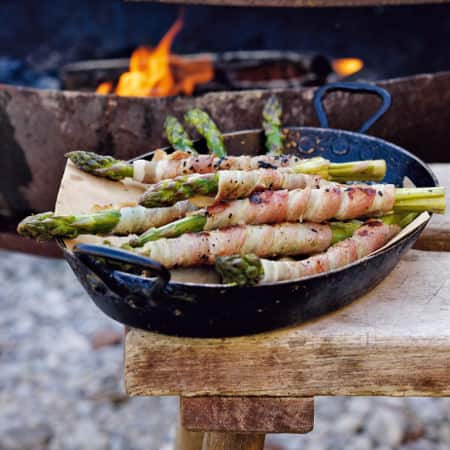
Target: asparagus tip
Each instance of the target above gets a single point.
(90, 161)
(240, 270)
(35, 226)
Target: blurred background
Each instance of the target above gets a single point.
(60, 358)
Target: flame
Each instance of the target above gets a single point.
(157, 73)
(104, 88)
(347, 66)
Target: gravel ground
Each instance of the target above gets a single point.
(61, 382)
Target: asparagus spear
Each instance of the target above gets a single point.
(272, 126)
(208, 129)
(282, 240)
(123, 221)
(417, 200)
(249, 269)
(177, 136)
(108, 167)
(168, 192)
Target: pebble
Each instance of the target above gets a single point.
(386, 427)
(25, 437)
(61, 385)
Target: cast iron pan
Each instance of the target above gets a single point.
(212, 310)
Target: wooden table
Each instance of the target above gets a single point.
(394, 341)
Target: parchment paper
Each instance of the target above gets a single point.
(81, 193)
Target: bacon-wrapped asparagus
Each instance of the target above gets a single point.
(180, 163)
(227, 185)
(272, 126)
(315, 205)
(195, 249)
(251, 270)
(233, 184)
(123, 221)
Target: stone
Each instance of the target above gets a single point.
(35, 437)
(359, 442)
(386, 427)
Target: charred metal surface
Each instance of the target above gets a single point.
(12, 241)
(39, 126)
(16, 174)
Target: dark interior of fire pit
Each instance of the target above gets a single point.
(260, 69)
(392, 41)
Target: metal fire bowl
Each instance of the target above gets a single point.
(212, 310)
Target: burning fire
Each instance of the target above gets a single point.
(347, 66)
(158, 73)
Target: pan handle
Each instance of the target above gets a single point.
(354, 87)
(124, 261)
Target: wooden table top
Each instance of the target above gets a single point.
(393, 341)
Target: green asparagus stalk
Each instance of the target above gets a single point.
(208, 129)
(46, 226)
(189, 224)
(369, 170)
(272, 126)
(177, 136)
(168, 192)
(99, 165)
(242, 270)
(420, 199)
(427, 199)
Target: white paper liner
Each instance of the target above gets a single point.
(81, 193)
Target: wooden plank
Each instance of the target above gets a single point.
(248, 414)
(394, 341)
(437, 234)
(233, 441)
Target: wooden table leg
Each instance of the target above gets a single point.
(233, 441)
(187, 440)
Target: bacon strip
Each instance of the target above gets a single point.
(314, 205)
(137, 219)
(235, 184)
(370, 237)
(164, 168)
(193, 249)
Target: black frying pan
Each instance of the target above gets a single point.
(207, 310)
